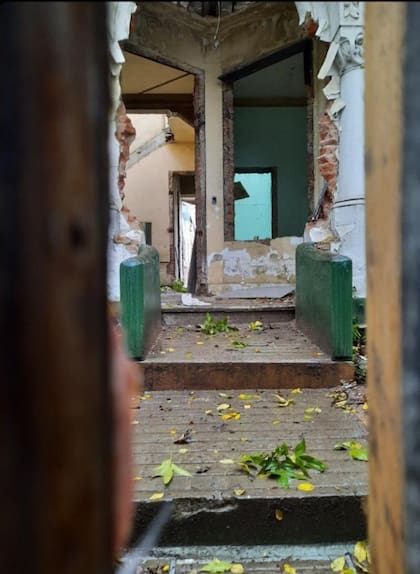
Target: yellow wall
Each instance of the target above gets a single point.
(147, 191)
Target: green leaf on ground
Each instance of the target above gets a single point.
(167, 469)
(282, 463)
(355, 450)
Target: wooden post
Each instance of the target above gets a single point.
(393, 300)
(55, 408)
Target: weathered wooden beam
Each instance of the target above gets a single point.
(385, 24)
(55, 411)
(410, 257)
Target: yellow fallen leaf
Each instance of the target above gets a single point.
(137, 478)
(227, 461)
(296, 391)
(170, 349)
(278, 514)
(223, 407)
(145, 397)
(289, 569)
(188, 355)
(365, 407)
(276, 422)
(200, 343)
(209, 412)
(305, 486)
(244, 439)
(183, 450)
(360, 552)
(282, 401)
(165, 568)
(237, 569)
(247, 406)
(308, 417)
(245, 397)
(225, 396)
(338, 564)
(156, 496)
(228, 416)
(239, 491)
(173, 431)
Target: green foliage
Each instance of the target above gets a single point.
(283, 463)
(239, 344)
(359, 343)
(211, 327)
(178, 286)
(354, 448)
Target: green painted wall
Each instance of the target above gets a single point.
(324, 303)
(276, 137)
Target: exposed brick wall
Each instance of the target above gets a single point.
(327, 159)
(125, 134)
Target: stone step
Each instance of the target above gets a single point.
(220, 503)
(245, 314)
(263, 559)
(273, 357)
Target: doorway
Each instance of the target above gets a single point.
(183, 216)
(254, 193)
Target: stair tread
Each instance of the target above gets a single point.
(216, 446)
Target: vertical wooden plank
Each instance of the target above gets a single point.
(383, 98)
(411, 285)
(55, 412)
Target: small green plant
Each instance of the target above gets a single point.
(255, 326)
(359, 343)
(282, 463)
(178, 286)
(211, 327)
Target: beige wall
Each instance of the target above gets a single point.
(147, 126)
(147, 191)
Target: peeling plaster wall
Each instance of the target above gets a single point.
(147, 192)
(245, 263)
(121, 235)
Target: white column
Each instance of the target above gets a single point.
(348, 211)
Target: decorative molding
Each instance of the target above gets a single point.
(351, 12)
(350, 52)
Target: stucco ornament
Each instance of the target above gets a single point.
(350, 53)
(119, 16)
(351, 10)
